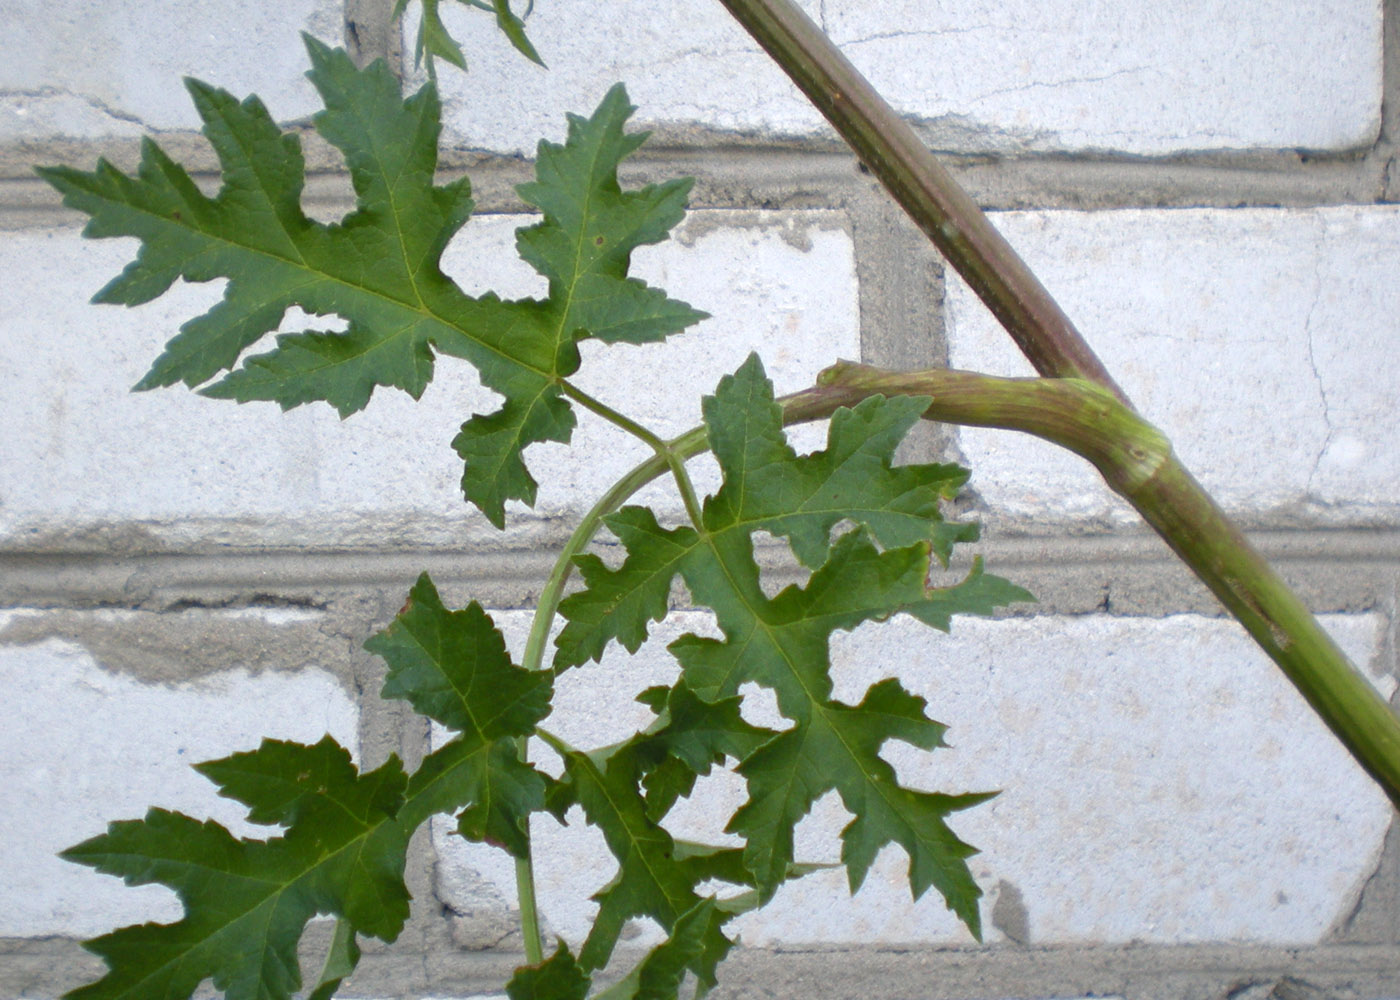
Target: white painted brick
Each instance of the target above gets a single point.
(84, 746)
(1124, 75)
(1162, 782)
(1264, 342)
(80, 451)
(80, 70)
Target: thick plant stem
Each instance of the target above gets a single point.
(1137, 462)
(934, 200)
(1169, 498)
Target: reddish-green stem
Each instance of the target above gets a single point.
(934, 200)
(1169, 498)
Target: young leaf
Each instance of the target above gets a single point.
(452, 666)
(248, 901)
(768, 486)
(433, 41)
(379, 268)
(514, 29)
(782, 642)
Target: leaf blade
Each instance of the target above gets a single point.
(379, 268)
(869, 572)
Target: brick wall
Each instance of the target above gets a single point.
(1204, 187)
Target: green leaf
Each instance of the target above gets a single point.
(782, 644)
(802, 498)
(247, 902)
(492, 446)
(558, 977)
(659, 975)
(768, 486)
(869, 572)
(689, 737)
(433, 41)
(341, 959)
(977, 594)
(653, 878)
(379, 268)
(452, 666)
(619, 604)
(514, 29)
(583, 246)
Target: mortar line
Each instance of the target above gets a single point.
(266, 577)
(1388, 145)
(798, 178)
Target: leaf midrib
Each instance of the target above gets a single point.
(819, 705)
(423, 310)
(277, 888)
(600, 783)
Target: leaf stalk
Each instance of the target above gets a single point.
(662, 448)
(669, 455)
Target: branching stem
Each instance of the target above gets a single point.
(1168, 497)
(670, 455)
(1136, 460)
(662, 448)
(922, 186)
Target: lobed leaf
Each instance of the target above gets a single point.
(654, 879)
(379, 267)
(658, 976)
(659, 876)
(452, 666)
(876, 569)
(247, 902)
(583, 247)
(768, 486)
(690, 736)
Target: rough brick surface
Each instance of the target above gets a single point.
(1174, 821)
(1262, 341)
(80, 70)
(1132, 77)
(1161, 780)
(85, 745)
(83, 455)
